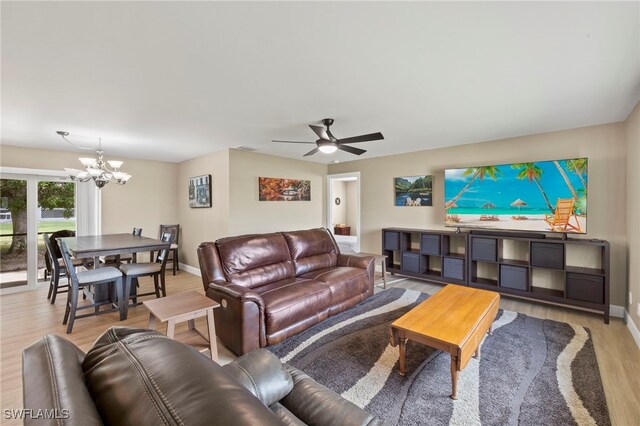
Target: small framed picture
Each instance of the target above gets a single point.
(200, 191)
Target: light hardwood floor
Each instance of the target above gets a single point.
(25, 317)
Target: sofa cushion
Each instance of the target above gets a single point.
(312, 249)
(262, 373)
(142, 377)
(290, 301)
(344, 282)
(254, 260)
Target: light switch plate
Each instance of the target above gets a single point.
(638, 309)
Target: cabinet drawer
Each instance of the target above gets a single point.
(547, 255)
(453, 268)
(515, 277)
(391, 240)
(588, 288)
(411, 262)
(430, 244)
(484, 249)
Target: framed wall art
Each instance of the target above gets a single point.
(414, 191)
(200, 191)
(277, 189)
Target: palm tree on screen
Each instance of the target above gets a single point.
(532, 173)
(579, 167)
(476, 173)
(566, 180)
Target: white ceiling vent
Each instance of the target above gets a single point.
(246, 148)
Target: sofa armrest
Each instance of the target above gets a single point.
(240, 320)
(356, 260)
(315, 404)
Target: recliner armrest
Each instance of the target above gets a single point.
(315, 404)
(356, 260)
(235, 291)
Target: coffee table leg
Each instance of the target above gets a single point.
(402, 345)
(454, 377)
(152, 321)
(477, 354)
(384, 272)
(192, 324)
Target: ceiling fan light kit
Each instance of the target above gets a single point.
(96, 169)
(328, 144)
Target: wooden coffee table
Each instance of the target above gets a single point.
(455, 320)
(186, 306)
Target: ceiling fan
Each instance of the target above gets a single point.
(328, 143)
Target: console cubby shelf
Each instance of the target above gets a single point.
(571, 272)
(432, 255)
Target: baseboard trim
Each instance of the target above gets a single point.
(190, 269)
(633, 329)
(616, 311)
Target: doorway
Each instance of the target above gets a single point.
(343, 210)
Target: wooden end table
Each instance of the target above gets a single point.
(454, 320)
(186, 306)
(383, 259)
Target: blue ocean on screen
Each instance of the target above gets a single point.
(495, 189)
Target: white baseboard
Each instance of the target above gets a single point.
(616, 311)
(190, 269)
(633, 329)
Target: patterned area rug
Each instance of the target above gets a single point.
(530, 371)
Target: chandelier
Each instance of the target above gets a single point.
(96, 169)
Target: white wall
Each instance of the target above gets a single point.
(632, 138)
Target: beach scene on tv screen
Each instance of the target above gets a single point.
(543, 196)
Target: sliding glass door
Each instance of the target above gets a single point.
(30, 206)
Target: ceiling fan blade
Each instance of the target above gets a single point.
(320, 131)
(313, 151)
(363, 138)
(352, 150)
(292, 142)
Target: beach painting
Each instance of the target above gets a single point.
(413, 191)
(543, 196)
(278, 189)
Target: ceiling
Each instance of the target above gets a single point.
(174, 80)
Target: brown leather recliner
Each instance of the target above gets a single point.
(272, 286)
(141, 377)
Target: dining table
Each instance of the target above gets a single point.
(93, 246)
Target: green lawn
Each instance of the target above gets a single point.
(48, 226)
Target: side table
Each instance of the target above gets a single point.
(186, 306)
(383, 259)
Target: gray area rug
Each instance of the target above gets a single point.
(530, 371)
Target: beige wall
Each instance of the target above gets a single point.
(603, 145)
(632, 137)
(203, 224)
(146, 201)
(339, 212)
(250, 215)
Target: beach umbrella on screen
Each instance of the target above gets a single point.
(518, 203)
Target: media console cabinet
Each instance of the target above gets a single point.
(569, 272)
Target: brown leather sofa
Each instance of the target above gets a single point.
(272, 286)
(141, 377)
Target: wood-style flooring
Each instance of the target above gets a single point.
(27, 316)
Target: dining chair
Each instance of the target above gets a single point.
(105, 276)
(128, 257)
(174, 230)
(56, 268)
(153, 269)
(56, 250)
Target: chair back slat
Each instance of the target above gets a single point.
(73, 277)
(53, 261)
(564, 209)
(137, 232)
(163, 254)
(174, 230)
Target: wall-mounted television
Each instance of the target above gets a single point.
(543, 196)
